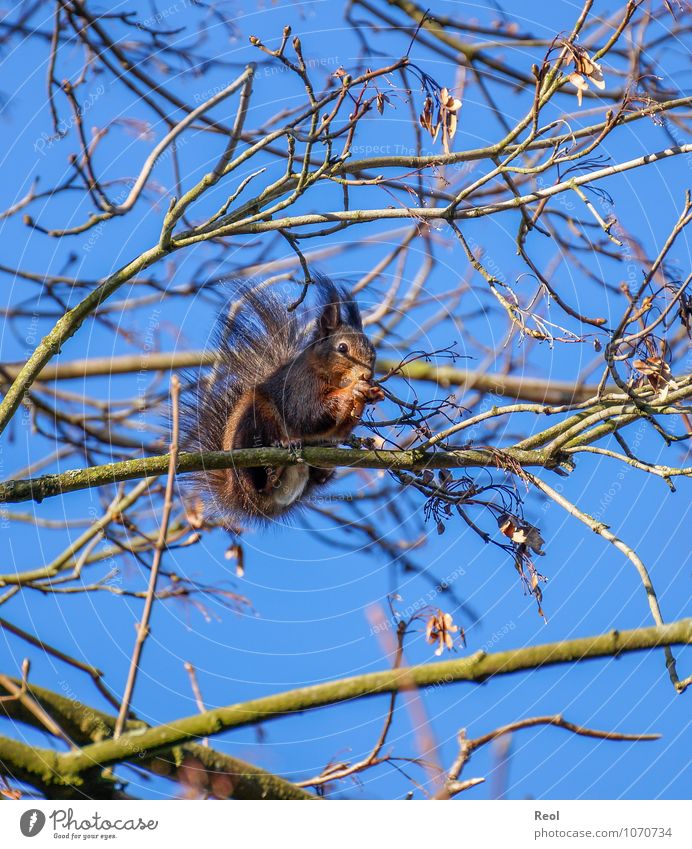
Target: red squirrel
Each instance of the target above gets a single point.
(278, 380)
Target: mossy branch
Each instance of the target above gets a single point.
(477, 668)
(37, 489)
(85, 724)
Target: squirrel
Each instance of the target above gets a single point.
(279, 379)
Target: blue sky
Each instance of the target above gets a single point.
(310, 595)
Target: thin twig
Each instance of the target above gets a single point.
(143, 625)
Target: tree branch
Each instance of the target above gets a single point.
(508, 386)
(86, 724)
(47, 486)
(477, 668)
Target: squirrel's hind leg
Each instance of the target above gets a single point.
(320, 476)
(289, 484)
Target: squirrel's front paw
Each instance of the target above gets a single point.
(367, 393)
(376, 394)
(293, 445)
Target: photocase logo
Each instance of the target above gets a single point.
(31, 822)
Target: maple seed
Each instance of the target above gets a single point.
(584, 69)
(449, 108)
(439, 629)
(426, 118)
(235, 552)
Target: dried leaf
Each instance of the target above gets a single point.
(521, 532)
(658, 373)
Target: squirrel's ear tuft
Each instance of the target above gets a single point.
(353, 316)
(330, 319)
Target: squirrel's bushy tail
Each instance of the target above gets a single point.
(253, 338)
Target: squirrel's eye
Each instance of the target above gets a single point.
(342, 348)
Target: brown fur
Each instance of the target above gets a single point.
(281, 380)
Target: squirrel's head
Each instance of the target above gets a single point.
(339, 343)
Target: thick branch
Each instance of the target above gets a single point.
(477, 668)
(71, 481)
(85, 724)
